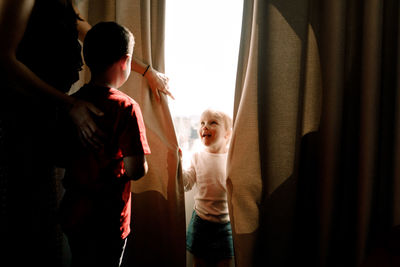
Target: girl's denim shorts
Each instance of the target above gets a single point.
(209, 240)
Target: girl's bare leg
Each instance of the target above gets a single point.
(199, 262)
(224, 263)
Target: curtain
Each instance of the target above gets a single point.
(158, 213)
(313, 173)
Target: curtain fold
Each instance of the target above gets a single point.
(313, 177)
(158, 213)
(245, 194)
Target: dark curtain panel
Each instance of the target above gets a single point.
(326, 88)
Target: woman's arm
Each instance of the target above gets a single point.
(157, 81)
(14, 16)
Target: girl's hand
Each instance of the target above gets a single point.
(81, 114)
(158, 82)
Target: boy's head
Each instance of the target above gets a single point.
(105, 44)
(215, 130)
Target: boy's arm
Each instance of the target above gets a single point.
(135, 167)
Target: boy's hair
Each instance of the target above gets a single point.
(225, 117)
(105, 44)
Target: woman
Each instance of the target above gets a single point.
(40, 58)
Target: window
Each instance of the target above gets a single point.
(202, 46)
(201, 52)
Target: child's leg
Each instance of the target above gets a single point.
(224, 263)
(199, 262)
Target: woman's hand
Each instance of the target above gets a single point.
(158, 82)
(81, 114)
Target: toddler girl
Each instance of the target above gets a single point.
(209, 235)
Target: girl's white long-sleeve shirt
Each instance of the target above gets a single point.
(208, 172)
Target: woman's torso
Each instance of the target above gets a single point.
(50, 46)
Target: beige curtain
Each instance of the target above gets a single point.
(158, 214)
(313, 172)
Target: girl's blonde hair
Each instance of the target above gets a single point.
(220, 114)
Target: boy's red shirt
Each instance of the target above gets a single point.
(99, 171)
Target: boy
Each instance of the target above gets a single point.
(95, 210)
(209, 235)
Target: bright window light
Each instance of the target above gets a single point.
(201, 52)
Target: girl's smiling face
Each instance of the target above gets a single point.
(213, 132)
